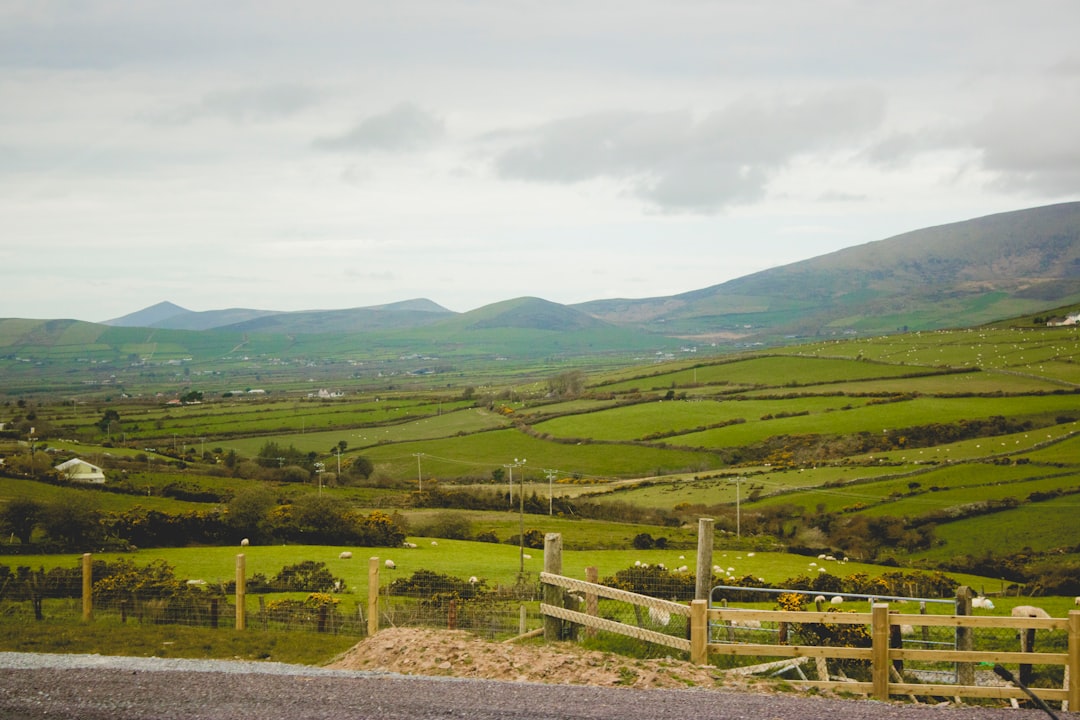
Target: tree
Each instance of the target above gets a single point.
(74, 521)
(567, 384)
(249, 512)
(109, 417)
(20, 516)
(361, 467)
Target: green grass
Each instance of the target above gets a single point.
(108, 636)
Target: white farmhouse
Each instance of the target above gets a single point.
(78, 470)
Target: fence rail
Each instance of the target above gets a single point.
(883, 654)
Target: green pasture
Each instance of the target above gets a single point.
(89, 497)
(881, 418)
(479, 454)
(449, 424)
(1040, 526)
(1045, 352)
(936, 488)
(771, 371)
(976, 383)
(192, 422)
(498, 564)
(635, 422)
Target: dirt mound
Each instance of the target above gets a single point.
(418, 651)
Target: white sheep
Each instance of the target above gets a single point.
(1077, 600)
(390, 564)
(682, 569)
(244, 542)
(819, 599)
(410, 545)
(527, 556)
(345, 555)
(982, 602)
(196, 583)
(747, 624)
(1029, 611)
(820, 557)
(659, 616)
(434, 543)
(837, 600)
(473, 580)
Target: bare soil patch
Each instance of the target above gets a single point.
(456, 653)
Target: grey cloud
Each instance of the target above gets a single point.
(403, 128)
(267, 102)
(1033, 148)
(682, 163)
(252, 104)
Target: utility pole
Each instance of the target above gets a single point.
(419, 477)
(551, 485)
(738, 509)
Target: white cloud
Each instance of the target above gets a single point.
(217, 154)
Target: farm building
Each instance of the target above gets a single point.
(78, 470)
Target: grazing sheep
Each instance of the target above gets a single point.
(527, 556)
(837, 600)
(473, 580)
(820, 557)
(747, 624)
(659, 617)
(244, 542)
(749, 554)
(410, 545)
(982, 602)
(637, 563)
(345, 555)
(434, 543)
(682, 569)
(390, 564)
(196, 583)
(819, 599)
(830, 557)
(907, 629)
(1077, 600)
(1029, 611)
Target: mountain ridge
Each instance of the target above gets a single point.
(969, 271)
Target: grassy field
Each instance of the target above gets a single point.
(663, 438)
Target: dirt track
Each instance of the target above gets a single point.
(544, 683)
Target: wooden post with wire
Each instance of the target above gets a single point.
(241, 592)
(87, 587)
(373, 596)
(553, 594)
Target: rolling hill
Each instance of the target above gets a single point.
(959, 274)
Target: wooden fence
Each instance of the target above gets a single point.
(882, 656)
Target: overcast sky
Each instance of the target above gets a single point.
(300, 155)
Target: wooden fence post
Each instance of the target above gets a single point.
(703, 584)
(1072, 668)
(592, 602)
(699, 631)
(241, 592)
(879, 649)
(87, 587)
(965, 672)
(373, 596)
(552, 593)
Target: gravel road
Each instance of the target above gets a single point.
(91, 687)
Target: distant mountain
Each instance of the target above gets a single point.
(147, 317)
(526, 313)
(404, 314)
(958, 274)
(401, 315)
